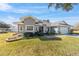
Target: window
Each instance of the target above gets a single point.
(29, 27)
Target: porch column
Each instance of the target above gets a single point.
(24, 28)
(44, 29)
(49, 29)
(37, 28)
(59, 30)
(68, 29)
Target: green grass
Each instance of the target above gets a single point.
(39, 46)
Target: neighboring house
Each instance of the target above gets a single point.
(76, 27)
(3, 30)
(13, 28)
(32, 24)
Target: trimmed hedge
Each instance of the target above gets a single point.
(39, 33)
(30, 34)
(27, 34)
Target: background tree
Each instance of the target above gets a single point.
(4, 25)
(63, 6)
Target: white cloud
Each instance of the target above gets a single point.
(9, 19)
(21, 11)
(5, 6)
(38, 7)
(8, 8)
(28, 11)
(70, 20)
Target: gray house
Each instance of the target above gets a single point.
(61, 27)
(32, 24)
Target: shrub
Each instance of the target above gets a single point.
(71, 31)
(28, 34)
(52, 32)
(39, 33)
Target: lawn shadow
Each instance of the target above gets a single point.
(31, 37)
(50, 38)
(44, 38)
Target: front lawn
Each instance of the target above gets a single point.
(39, 46)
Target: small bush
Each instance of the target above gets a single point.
(28, 34)
(71, 31)
(39, 33)
(52, 32)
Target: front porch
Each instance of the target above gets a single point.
(44, 29)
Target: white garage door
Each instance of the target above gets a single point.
(56, 30)
(64, 30)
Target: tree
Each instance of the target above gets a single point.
(4, 25)
(63, 6)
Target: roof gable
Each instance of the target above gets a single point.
(60, 23)
(29, 17)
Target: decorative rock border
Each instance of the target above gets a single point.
(15, 37)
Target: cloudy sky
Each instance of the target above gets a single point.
(11, 12)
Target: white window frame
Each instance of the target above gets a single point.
(29, 30)
(21, 29)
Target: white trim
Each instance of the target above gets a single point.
(19, 28)
(29, 30)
